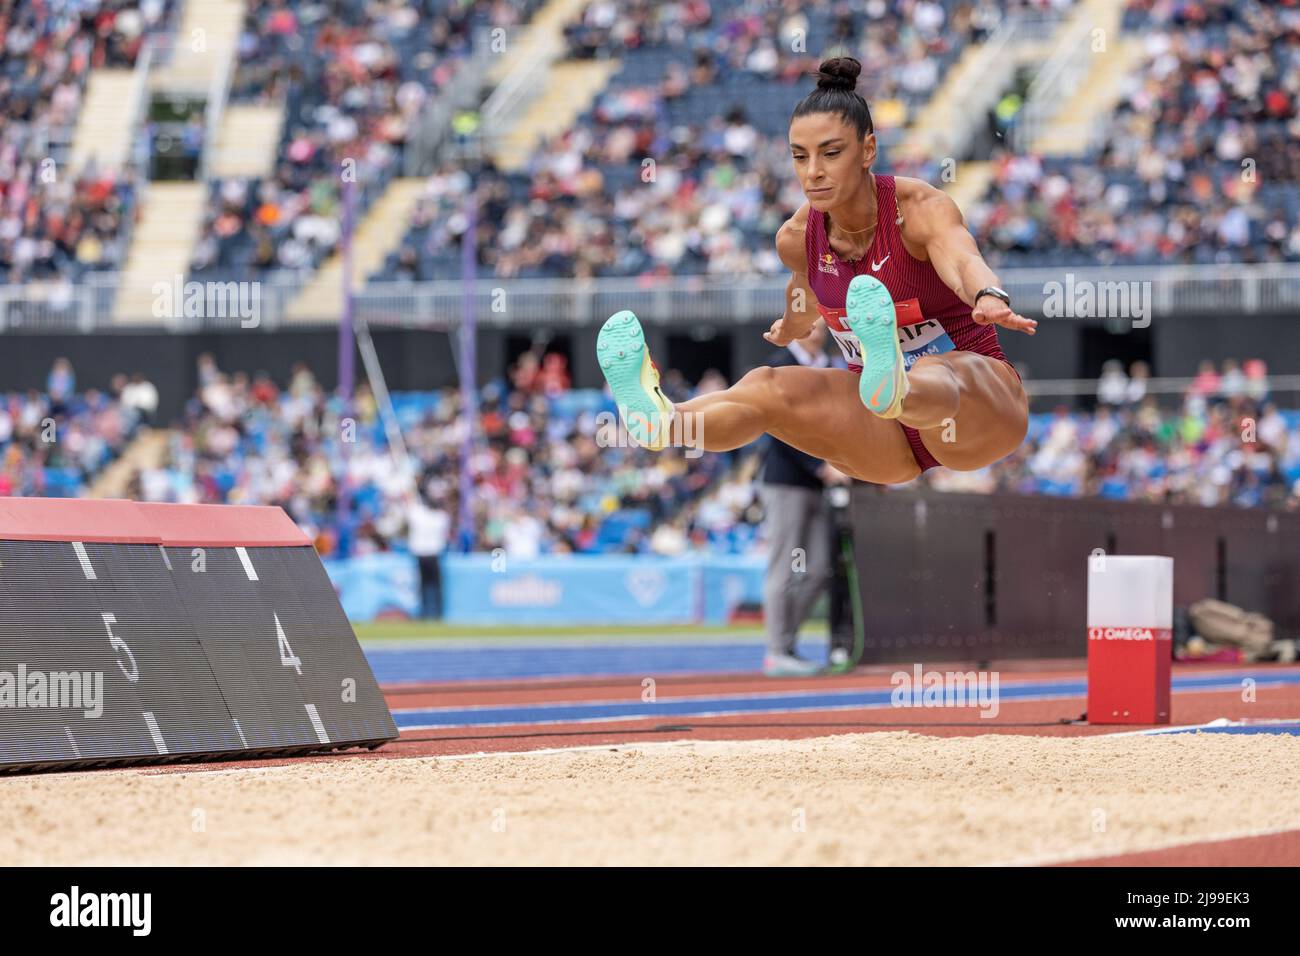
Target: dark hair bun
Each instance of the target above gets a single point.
(839, 73)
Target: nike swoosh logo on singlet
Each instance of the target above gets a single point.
(875, 266)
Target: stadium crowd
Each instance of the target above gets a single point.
(1201, 161)
(551, 474)
(354, 79)
(53, 443)
(54, 224)
(704, 90)
(543, 482)
(1227, 444)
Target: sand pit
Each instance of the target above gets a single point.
(879, 798)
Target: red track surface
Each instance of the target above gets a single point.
(1274, 849)
(1046, 717)
(1043, 717)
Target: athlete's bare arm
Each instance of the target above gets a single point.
(932, 223)
(800, 301)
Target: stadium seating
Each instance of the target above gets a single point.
(703, 88)
(352, 81)
(705, 91)
(716, 128)
(1201, 162)
(57, 222)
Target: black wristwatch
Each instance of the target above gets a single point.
(995, 292)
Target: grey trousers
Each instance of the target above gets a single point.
(798, 528)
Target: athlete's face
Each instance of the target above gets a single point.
(829, 157)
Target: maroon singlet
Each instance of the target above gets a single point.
(931, 318)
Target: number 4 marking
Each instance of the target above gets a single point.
(287, 657)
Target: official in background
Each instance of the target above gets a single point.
(797, 526)
(427, 530)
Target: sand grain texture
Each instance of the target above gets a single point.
(879, 798)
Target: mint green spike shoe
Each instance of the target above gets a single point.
(869, 312)
(625, 359)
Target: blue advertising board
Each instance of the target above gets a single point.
(562, 589)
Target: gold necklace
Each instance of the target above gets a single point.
(856, 232)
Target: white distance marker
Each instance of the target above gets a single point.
(248, 564)
(84, 558)
(155, 733)
(316, 722)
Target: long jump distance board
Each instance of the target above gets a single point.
(137, 632)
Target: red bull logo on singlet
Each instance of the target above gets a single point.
(917, 335)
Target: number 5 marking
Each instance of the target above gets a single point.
(118, 644)
(287, 657)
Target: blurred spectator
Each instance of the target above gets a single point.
(1232, 384)
(61, 383)
(1206, 382)
(1139, 375)
(1256, 379)
(141, 395)
(1112, 386)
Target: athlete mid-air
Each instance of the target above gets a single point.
(889, 264)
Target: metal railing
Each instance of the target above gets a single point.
(521, 85)
(1168, 385)
(966, 115)
(1065, 68)
(214, 110)
(138, 151)
(1123, 297)
(432, 129)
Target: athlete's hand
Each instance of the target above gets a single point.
(783, 333)
(990, 310)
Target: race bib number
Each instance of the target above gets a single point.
(917, 335)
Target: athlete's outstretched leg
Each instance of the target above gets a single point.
(970, 409)
(991, 416)
(814, 410)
